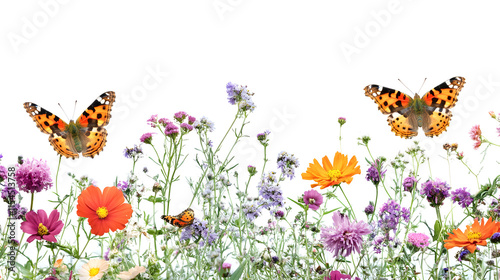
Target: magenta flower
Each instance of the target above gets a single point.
(313, 198)
(147, 137)
(336, 275)
(344, 237)
(462, 196)
(435, 191)
(186, 127)
(342, 121)
(171, 130)
(3, 173)
(475, 134)
(180, 116)
(40, 227)
(419, 240)
(164, 121)
(33, 176)
(152, 121)
(191, 120)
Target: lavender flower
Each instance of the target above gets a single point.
(198, 229)
(390, 215)
(462, 196)
(147, 137)
(9, 195)
(376, 172)
(17, 212)
(344, 237)
(435, 191)
(133, 153)
(313, 198)
(204, 125)
(287, 163)
(495, 238)
(251, 209)
(237, 94)
(263, 139)
(462, 255)
(369, 209)
(123, 185)
(409, 183)
(33, 176)
(419, 240)
(270, 191)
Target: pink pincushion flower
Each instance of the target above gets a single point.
(345, 236)
(40, 227)
(147, 137)
(419, 240)
(33, 176)
(336, 275)
(475, 134)
(180, 116)
(313, 198)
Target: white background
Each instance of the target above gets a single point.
(295, 56)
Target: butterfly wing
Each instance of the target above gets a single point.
(93, 120)
(445, 94)
(183, 219)
(437, 122)
(51, 124)
(403, 123)
(387, 99)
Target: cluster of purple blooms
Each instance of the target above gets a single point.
(241, 96)
(199, 229)
(409, 183)
(462, 196)
(376, 172)
(287, 163)
(313, 199)
(3, 171)
(252, 208)
(435, 191)
(204, 124)
(133, 153)
(390, 216)
(33, 176)
(418, 240)
(170, 129)
(263, 139)
(270, 191)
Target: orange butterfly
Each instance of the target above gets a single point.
(408, 114)
(183, 219)
(87, 135)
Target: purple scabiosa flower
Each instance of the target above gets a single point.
(336, 275)
(123, 185)
(262, 137)
(313, 198)
(17, 212)
(204, 124)
(341, 121)
(33, 176)
(287, 163)
(252, 209)
(279, 214)
(42, 227)
(462, 196)
(376, 172)
(171, 130)
(419, 240)
(345, 236)
(369, 209)
(106, 254)
(462, 255)
(147, 137)
(133, 153)
(270, 191)
(390, 216)
(495, 238)
(185, 128)
(435, 191)
(409, 183)
(9, 195)
(180, 116)
(3, 173)
(152, 121)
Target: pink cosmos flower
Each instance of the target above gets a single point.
(40, 227)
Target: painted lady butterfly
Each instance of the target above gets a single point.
(183, 219)
(87, 135)
(407, 114)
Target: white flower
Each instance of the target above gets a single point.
(131, 273)
(93, 270)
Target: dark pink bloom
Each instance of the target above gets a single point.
(147, 137)
(313, 198)
(336, 275)
(33, 176)
(40, 227)
(180, 116)
(152, 121)
(171, 130)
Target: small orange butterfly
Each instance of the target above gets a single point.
(408, 114)
(183, 219)
(87, 135)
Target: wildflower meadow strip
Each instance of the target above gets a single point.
(244, 225)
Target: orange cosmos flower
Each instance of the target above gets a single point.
(105, 210)
(473, 235)
(330, 175)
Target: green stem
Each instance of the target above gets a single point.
(57, 173)
(352, 210)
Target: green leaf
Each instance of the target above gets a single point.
(437, 230)
(155, 200)
(239, 271)
(299, 204)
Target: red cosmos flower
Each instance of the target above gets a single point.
(105, 210)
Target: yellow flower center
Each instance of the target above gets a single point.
(42, 230)
(473, 235)
(102, 212)
(93, 271)
(334, 174)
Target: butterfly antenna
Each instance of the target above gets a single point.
(405, 86)
(63, 110)
(422, 85)
(74, 109)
